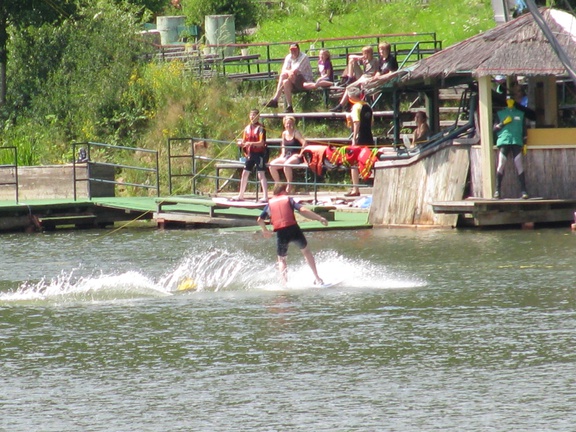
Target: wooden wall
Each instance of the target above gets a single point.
(402, 194)
(550, 174)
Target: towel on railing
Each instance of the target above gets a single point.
(317, 156)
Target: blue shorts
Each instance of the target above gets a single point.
(285, 236)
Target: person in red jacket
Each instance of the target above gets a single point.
(254, 146)
(280, 211)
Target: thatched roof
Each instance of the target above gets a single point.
(518, 47)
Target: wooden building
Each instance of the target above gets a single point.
(519, 54)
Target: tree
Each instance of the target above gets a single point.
(19, 14)
(22, 13)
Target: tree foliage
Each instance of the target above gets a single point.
(72, 77)
(246, 12)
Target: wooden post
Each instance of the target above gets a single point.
(397, 122)
(433, 109)
(486, 136)
(545, 101)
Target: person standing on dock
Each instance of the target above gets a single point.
(280, 211)
(253, 143)
(360, 118)
(511, 136)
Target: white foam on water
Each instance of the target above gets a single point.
(211, 270)
(349, 273)
(67, 287)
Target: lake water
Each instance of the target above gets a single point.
(428, 331)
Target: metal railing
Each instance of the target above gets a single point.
(407, 47)
(12, 166)
(90, 157)
(198, 168)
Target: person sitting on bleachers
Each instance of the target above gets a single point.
(388, 62)
(291, 146)
(296, 71)
(359, 70)
(326, 71)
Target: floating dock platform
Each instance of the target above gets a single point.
(480, 212)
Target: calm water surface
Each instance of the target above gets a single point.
(428, 331)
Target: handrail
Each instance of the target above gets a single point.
(195, 172)
(87, 158)
(13, 166)
(470, 98)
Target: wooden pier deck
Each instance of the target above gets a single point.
(505, 212)
(186, 212)
(200, 212)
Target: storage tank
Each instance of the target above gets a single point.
(220, 30)
(168, 28)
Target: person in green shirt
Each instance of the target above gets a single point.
(511, 136)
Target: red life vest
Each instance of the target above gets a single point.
(335, 155)
(314, 156)
(281, 212)
(352, 153)
(366, 160)
(254, 132)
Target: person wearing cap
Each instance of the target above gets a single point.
(511, 136)
(296, 71)
(361, 118)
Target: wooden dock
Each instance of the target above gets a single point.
(480, 212)
(49, 214)
(168, 212)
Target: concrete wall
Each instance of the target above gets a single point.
(56, 182)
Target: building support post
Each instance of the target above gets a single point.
(486, 136)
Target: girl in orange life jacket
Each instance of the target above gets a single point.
(280, 210)
(253, 143)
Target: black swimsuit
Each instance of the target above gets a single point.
(292, 147)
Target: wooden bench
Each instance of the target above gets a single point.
(212, 206)
(236, 61)
(253, 76)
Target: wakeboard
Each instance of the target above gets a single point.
(329, 284)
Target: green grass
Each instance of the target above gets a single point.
(451, 20)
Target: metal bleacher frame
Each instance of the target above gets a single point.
(262, 61)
